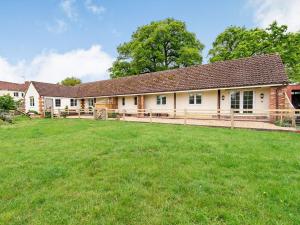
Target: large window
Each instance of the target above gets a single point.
(235, 101)
(161, 100)
(247, 101)
(57, 103)
(91, 102)
(31, 101)
(195, 99)
(73, 102)
(241, 101)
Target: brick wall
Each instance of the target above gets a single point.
(41, 106)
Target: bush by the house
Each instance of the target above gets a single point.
(284, 123)
(6, 117)
(7, 103)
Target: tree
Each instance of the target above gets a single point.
(160, 45)
(70, 81)
(7, 103)
(239, 42)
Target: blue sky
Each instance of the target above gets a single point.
(51, 39)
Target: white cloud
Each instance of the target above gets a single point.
(58, 27)
(283, 11)
(87, 64)
(68, 8)
(94, 8)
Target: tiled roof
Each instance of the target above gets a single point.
(8, 86)
(257, 70)
(55, 90)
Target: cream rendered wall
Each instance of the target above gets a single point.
(64, 102)
(11, 93)
(129, 104)
(150, 102)
(209, 101)
(32, 92)
(258, 103)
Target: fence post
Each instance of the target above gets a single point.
(52, 112)
(150, 115)
(123, 115)
(79, 113)
(94, 113)
(58, 111)
(293, 118)
(106, 114)
(232, 118)
(185, 115)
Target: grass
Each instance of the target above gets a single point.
(95, 172)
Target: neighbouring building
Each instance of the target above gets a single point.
(245, 85)
(17, 91)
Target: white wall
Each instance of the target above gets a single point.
(64, 102)
(11, 93)
(32, 92)
(209, 101)
(129, 104)
(258, 103)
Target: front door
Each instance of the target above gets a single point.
(241, 101)
(48, 103)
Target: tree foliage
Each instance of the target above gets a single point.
(160, 45)
(238, 42)
(70, 81)
(7, 103)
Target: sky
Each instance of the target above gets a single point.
(48, 40)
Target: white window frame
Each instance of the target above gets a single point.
(194, 95)
(241, 108)
(159, 99)
(57, 99)
(31, 101)
(74, 101)
(16, 94)
(91, 102)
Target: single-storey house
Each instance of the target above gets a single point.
(246, 85)
(15, 90)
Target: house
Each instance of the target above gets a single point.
(245, 85)
(17, 91)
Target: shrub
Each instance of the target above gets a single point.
(284, 123)
(7, 103)
(47, 114)
(113, 115)
(6, 117)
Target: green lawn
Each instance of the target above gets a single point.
(96, 172)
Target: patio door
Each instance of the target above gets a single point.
(241, 101)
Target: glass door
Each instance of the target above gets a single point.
(241, 101)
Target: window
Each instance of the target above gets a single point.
(91, 102)
(16, 94)
(235, 101)
(23, 94)
(161, 100)
(247, 101)
(195, 99)
(135, 100)
(31, 101)
(73, 102)
(123, 101)
(57, 102)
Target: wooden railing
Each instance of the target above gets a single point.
(278, 115)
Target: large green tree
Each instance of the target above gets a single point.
(160, 45)
(70, 81)
(238, 42)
